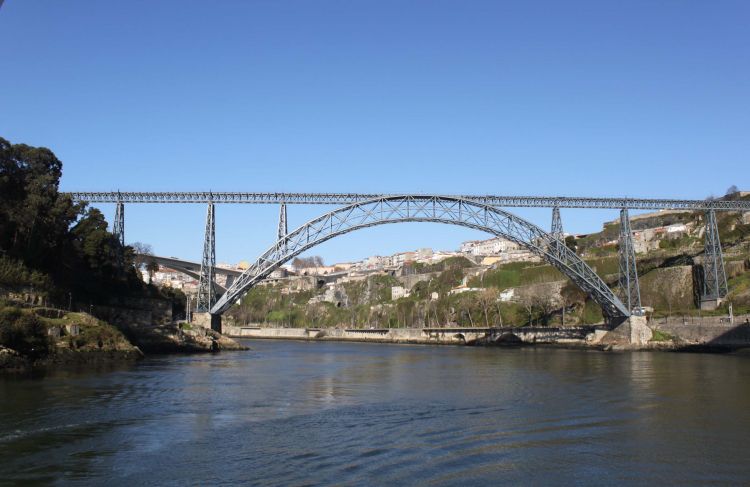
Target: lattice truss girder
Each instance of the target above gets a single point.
(630, 291)
(714, 278)
(557, 227)
(207, 284)
(119, 223)
(349, 198)
(437, 209)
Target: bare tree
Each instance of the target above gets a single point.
(152, 267)
(570, 295)
(142, 252)
(487, 298)
(546, 303)
(527, 302)
(308, 262)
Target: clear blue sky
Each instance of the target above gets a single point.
(555, 97)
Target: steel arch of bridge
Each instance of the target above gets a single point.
(424, 208)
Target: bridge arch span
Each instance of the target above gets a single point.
(427, 208)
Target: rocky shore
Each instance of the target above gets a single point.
(46, 337)
(174, 339)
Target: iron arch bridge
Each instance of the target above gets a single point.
(427, 208)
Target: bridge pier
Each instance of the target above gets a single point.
(633, 332)
(714, 278)
(556, 229)
(216, 323)
(119, 224)
(283, 228)
(207, 284)
(205, 319)
(629, 287)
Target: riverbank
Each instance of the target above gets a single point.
(180, 339)
(38, 337)
(666, 337)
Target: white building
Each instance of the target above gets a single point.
(398, 292)
(400, 258)
(376, 262)
(493, 246)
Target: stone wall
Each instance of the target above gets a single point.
(409, 281)
(710, 334)
(673, 286)
(136, 312)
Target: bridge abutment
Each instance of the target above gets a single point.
(207, 320)
(632, 332)
(216, 323)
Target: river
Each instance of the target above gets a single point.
(321, 413)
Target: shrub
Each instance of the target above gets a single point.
(23, 332)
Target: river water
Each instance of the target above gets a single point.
(321, 413)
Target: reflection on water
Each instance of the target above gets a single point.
(352, 414)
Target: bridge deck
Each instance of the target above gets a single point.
(349, 198)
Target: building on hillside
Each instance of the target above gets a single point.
(492, 246)
(424, 254)
(403, 257)
(344, 266)
(442, 255)
(167, 277)
(398, 292)
(279, 273)
(376, 262)
(497, 251)
(316, 271)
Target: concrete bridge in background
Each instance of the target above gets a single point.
(192, 269)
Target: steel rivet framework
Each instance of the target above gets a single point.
(557, 227)
(714, 277)
(283, 228)
(206, 287)
(349, 198)
(629, 288)
(118, 229)
(418, 208)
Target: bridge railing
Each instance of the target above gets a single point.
(349, 198)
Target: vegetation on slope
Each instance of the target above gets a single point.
(56, 250)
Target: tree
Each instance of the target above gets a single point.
(487, 298)
(570, 295)
(307, 262)
(527, 302)
(732, 189)
(152, 267)
(141, 252)
(546, 302)
(570, 242)
(34, 216)
(44, 234)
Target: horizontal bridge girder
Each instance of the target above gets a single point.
(349, 198)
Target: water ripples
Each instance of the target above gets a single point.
(291, 413)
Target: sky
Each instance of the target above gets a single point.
(579, 98)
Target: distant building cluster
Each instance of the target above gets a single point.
(480, 252)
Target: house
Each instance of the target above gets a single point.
(398, 292)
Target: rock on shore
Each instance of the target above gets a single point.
(173, 339)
